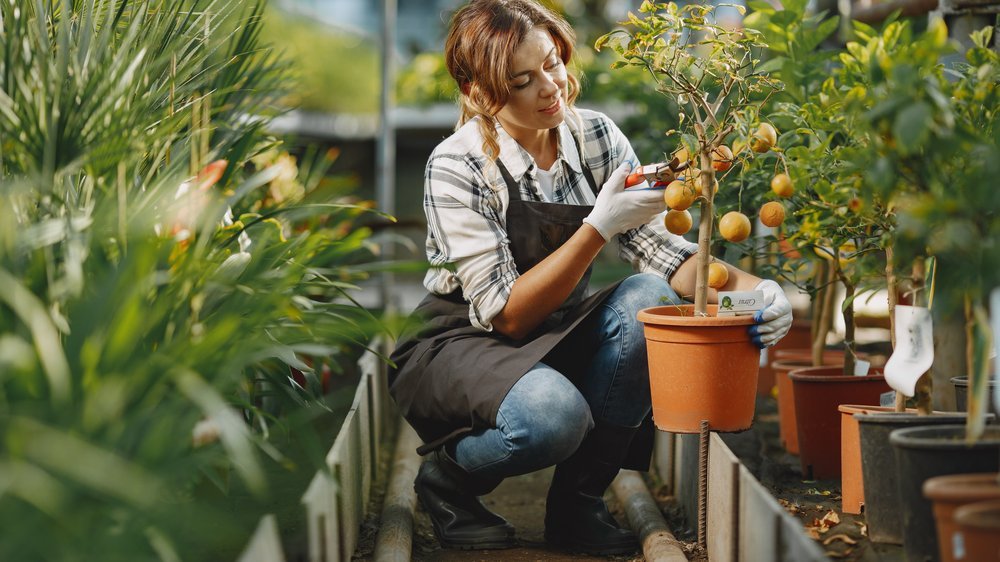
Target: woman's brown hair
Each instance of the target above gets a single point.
(479, 51)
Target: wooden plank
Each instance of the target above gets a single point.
(265, 544)
(663, 459)
(760, 520)
(375, 413)
(723, 501)
(365, 443)
(344, 463)
(320, 501)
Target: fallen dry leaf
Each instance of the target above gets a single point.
(831, 518)
(839, 537)
(864, 527)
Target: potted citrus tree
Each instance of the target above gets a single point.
(712, 74)
(934, 140)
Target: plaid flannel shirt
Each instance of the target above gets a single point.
(465, 202)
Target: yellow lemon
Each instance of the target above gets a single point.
(781, 185)
(718, 275)
(722, 158)
(734, 226)
(772, 213)
(678, 222)
(680, 195)
(765, 137)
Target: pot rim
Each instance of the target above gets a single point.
(800, 375)
(964, 381)
(911, 437)
(889, 418)
(963, 487)
(966, 515)
(682, 315)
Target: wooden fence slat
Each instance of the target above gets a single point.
(723, 501)
(344, 462)
(365, 442)
(320, 500)
(265, 544)
(760, 516)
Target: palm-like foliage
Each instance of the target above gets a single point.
(128, 312)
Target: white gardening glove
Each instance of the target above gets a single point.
(772, 322)
(618, 209)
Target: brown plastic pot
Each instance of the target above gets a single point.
(818, 392)
(979, 524)
(951, 492)
(700, 369)
(799, 337)
(786, 362)
(852, 488)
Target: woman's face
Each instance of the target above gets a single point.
(537, 86)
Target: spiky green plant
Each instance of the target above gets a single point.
(135, 321)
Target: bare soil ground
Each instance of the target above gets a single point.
(816, 503)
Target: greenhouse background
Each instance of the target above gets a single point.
(212, 230)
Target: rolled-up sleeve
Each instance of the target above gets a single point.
(466, 231)
(651, 248)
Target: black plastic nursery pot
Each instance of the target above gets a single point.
(961, 385)
(928, 451)
(878, 468)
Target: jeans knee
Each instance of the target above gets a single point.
(565, 423)
(645, 290)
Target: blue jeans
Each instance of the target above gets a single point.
(548, 412)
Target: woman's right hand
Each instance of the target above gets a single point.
(618, 209)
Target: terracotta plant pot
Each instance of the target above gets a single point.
(925, 452)
(879, 471)
(951, 492)
(852, 488)
(785, 362)
(799, 337)
(818, 392)
(700, 368)
(979, 524)
(961, 385)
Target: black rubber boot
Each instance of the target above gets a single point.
(576, 517)
(449, 496)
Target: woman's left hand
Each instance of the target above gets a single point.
(772, 322)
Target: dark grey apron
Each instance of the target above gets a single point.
(450, 377)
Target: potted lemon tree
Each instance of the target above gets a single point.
(712, 74)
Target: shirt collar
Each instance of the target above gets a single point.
(518, 161)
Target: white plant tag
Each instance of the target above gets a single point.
(740, 303)
(995, 323)
(914, 352)
(887, 398)
(861, 367)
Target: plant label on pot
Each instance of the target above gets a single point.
(914, 350)
(740, 303)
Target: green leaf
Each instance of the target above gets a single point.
(912, 125)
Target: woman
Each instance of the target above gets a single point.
(516, 367)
